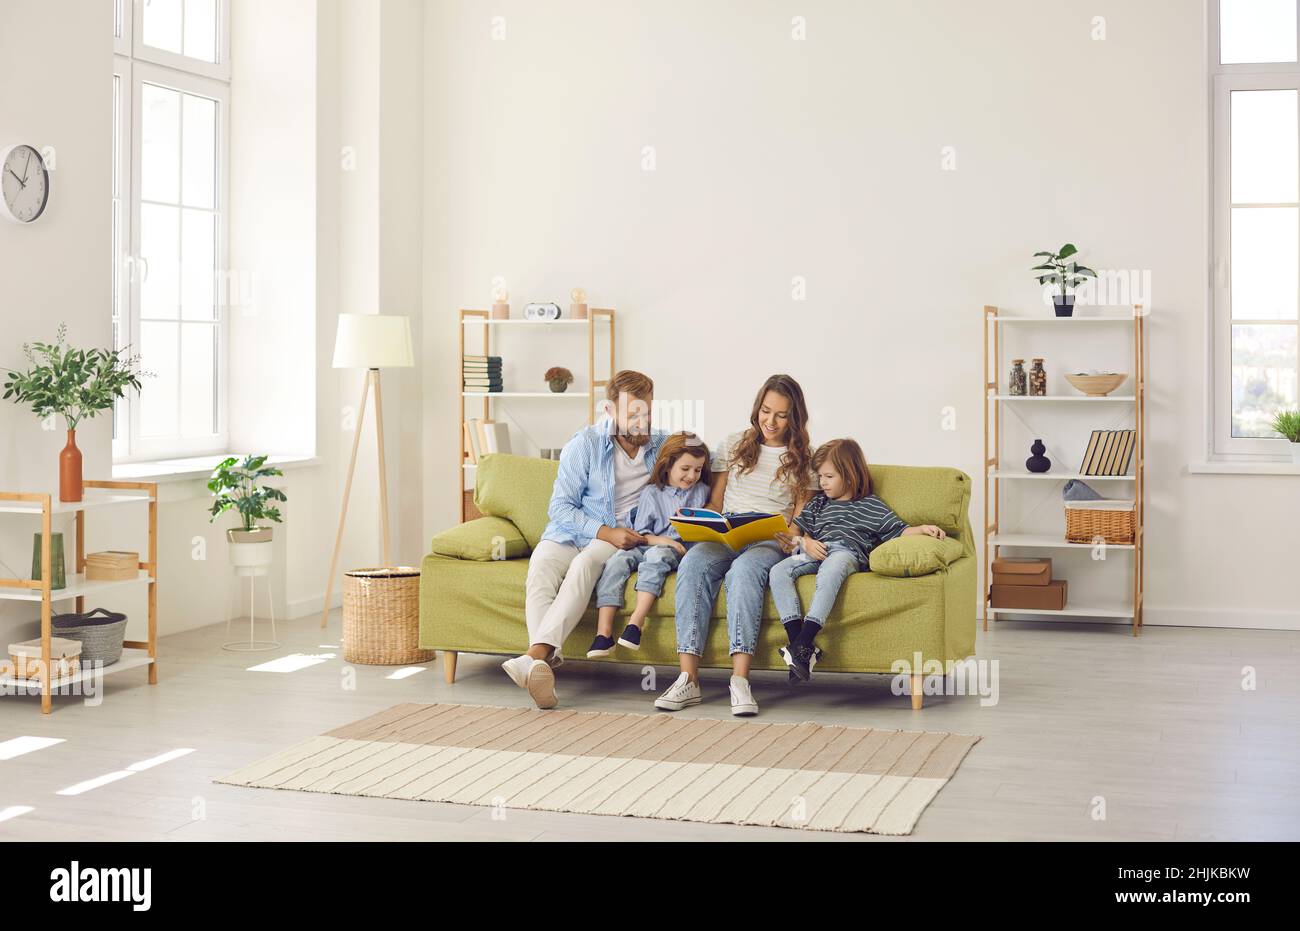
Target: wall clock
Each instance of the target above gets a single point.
(24, 183)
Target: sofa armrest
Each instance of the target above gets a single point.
(482, 540)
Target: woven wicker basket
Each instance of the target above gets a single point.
(100, 633)
(381, 617)
(1112, 521)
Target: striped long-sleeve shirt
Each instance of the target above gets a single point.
(862, 525)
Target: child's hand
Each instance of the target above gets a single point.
(814, 548)
(930, 530)
(656, 540)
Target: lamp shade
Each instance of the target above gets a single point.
(373, 341)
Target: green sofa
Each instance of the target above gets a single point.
(472, 583)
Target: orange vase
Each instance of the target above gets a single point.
(70, 487)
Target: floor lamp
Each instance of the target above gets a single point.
(371, 342)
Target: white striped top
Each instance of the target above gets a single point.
(758, 490)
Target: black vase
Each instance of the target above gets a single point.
(1038, 462)
(1064, 305)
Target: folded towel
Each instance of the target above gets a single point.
(1076, 490)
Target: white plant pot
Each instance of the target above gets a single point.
(250, 547)
(1295, 453)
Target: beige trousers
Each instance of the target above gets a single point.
(561, 578)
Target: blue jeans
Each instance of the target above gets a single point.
(704, 569)
(840, 563)
(651, 565)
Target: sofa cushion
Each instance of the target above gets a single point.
(910, 556)
(925, 494)
(485, 539)
(517, 488)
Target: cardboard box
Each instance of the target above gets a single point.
(1049, 597)
(1021, 570)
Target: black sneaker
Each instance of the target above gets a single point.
(799, 659)
(630, 637)
(601, 646)
(787, 654)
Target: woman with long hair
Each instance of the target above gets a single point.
(766, 467)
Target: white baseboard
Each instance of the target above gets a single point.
(304, 607)
(1233, 618)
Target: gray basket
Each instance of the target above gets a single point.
(100, 633)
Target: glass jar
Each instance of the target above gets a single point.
(1019, 381)
(1038, 380)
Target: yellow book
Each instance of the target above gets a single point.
(698, 525)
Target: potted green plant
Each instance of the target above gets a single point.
(559, 378)
(76, 384)
(1287, 423)
(1063, 276)
(234, 486)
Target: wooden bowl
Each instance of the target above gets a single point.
(1097, 386)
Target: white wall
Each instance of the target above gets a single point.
(56, 93)
(822, 158)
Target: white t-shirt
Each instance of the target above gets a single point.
(758, 490)
(630, 476)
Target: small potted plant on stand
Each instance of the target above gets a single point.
(76, 384)
(1287, 423)
(1063, 276)
(234, 485)
(559, 378)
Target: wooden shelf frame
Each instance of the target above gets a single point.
(42, 504)
(483, 319)
(995, 475)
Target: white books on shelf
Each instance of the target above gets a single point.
(494, 437)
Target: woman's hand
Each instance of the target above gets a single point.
(786, 541)
(815, 548)
(930, 530)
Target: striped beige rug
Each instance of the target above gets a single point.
(647, 766)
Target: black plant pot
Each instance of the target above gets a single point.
(1064, 305)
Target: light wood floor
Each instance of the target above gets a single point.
(1158, 727)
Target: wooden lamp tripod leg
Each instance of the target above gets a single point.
(383, 470)
(347, 491)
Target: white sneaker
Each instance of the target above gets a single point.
(541, 684)
(742, 699)
(517, 669)
(679, 695)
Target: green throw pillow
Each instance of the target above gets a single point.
(484, 540)
(908, 557)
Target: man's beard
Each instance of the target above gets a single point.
(636, 439)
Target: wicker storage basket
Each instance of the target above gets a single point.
(26, 658)
(100, 633)
(381, 617)
(1112, 521)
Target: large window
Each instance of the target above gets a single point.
(170, 150)
(1256, 281)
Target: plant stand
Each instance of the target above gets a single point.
(252, 644)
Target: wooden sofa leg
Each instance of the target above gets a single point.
(918, 692)
(449, 665)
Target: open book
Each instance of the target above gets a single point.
(696, 525)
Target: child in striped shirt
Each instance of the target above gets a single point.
(832, 536)
(680, 479)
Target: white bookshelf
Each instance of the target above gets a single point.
(1001, 481)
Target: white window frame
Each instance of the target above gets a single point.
(1224, 79)
(193, 78)
(220, 69)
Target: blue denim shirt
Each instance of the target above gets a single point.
(656, 505)
(583, 498)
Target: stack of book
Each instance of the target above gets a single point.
(482, 373)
